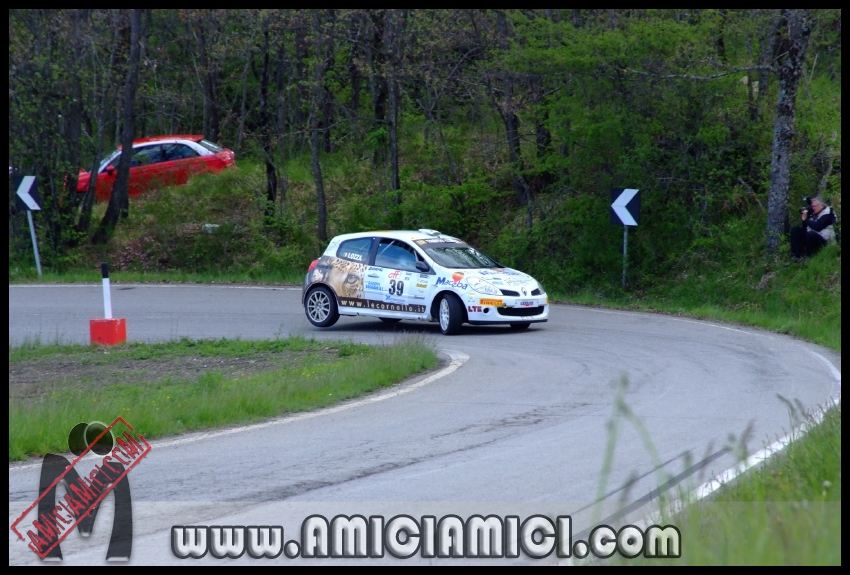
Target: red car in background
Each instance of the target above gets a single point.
(159, 161)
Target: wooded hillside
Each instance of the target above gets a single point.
(505, 127)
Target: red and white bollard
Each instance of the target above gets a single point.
(108, 331)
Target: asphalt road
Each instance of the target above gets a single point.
(516, 424)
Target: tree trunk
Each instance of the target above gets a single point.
(507, 110)
(281, 113)
(211, 116)
(392, 30)
(74, 125)
(266, 126)
(354, 33)
(315, 108)
(84, 220)
(792, 54)
(119, 201)
(377, 81)
(243, 107)
(302, 96)
(327, 98)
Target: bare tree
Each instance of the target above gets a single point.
(107, 89)
(395, 22)
(265, 123)
(506, 104)
(790, 55)
(316, 106)
(119, 201)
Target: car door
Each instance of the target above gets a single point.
(395, 264)
(146, 168)
(181, 162)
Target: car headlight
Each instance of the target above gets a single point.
(540, 287)
(482, 286)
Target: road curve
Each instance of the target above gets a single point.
(520, 426)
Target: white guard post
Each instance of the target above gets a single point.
(107, 298)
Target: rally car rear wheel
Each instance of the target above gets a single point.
(320, 307)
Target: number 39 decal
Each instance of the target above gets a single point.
(396, 287)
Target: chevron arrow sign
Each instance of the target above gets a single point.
(625, 206)
(27, 194)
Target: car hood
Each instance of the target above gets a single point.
(478, 280)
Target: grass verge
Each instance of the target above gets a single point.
(785, 512)
(800, 299)
(167, 389)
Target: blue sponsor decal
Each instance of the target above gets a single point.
(448, 282)
(374, 269)
(373, 286)
(392, 299)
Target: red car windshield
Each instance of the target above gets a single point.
(210, 146)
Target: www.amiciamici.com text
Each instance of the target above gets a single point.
(404, 537)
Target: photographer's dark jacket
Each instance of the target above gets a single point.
(822, 224)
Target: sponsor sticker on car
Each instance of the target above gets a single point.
(455, 284)
(493, 302)
(527, 303)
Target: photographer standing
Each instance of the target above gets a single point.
(816, 230)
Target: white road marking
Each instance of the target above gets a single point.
(676, 507)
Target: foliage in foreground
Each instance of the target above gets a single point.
(785, 512)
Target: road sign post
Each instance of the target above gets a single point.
(27, 199)
(625, 210)
(625, 251)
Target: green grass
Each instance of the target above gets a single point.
(785, 512)
(799, 299)
(40, 417)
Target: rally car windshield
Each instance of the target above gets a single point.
(456, 256)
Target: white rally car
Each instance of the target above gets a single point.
(421, 275)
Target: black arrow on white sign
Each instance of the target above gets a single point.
(625, 206)
(27, 195)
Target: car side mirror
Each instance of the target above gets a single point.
(110, 170)
(422, 266)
